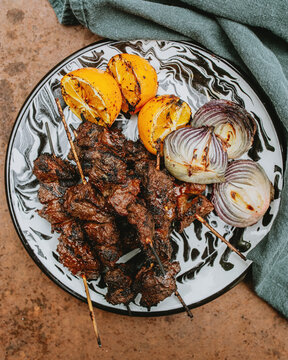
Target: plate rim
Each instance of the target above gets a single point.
(251, 81)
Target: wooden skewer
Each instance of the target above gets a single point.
(92, 315)
(158, 158)
(159, 152)
(149, 241)
(71, 141)
(204, 222)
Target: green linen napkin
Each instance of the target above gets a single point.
(251, 33)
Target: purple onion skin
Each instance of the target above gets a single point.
(245, 196)
(232, 123)
(195, 155)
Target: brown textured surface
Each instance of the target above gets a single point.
(41, 321)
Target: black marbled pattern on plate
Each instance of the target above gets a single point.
(196, 76)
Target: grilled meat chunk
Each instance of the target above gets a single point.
(88, 134)
(91, 135)
(51, 191)
(187, 208)
(75, 253)
(104, 238)
(158, 192)
(84, 203)
(54, 212)
(120, 286)
(122, 195)
(153, 286)
(49, 168)
(102, 234)
(102, 166)
(141, 218)
(94, 219)
(108, 254)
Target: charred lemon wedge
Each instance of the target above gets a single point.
(136, 78)
(93, 93)
(159, 117)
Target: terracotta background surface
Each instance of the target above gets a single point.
(41, 321)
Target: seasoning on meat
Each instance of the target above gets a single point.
(126, 204)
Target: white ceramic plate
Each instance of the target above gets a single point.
(196, 75)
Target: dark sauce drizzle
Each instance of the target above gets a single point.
(267, 218)
(190, 274)
(237, 241)
(198, 229)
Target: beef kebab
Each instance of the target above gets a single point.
(135, 211)
(153, 210)
(74, 253)
(126, 193)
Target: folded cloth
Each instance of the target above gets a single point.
(251, 33)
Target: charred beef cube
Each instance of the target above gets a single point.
(75, 253)
(187, 208)
(162, 243)
(140, 217)
(82, 202)
(103, 167)
(71, 257)
(158, 189)
(50, 191)
(108, 254)
(88, 134)
(54, 212)
(153, 286)
(102, 234)
(121, 196)
(49, 168)
(119, 285)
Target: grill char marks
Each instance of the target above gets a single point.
(84, 203)
(74, 250)
(50, 169)
(120, 285)
(102, 166)
(187, 208)
(158, 192)
(126, 204)
(50, 191)
(75, 253)
(142, 219)
(153, 286)
(122, 195)
(54, 212)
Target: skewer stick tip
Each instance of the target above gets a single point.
(231, 247)
(71, 141)
(189, 313)
(91, 311)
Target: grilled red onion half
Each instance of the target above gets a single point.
(195, 155)
(232, 123)
(245, 195)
